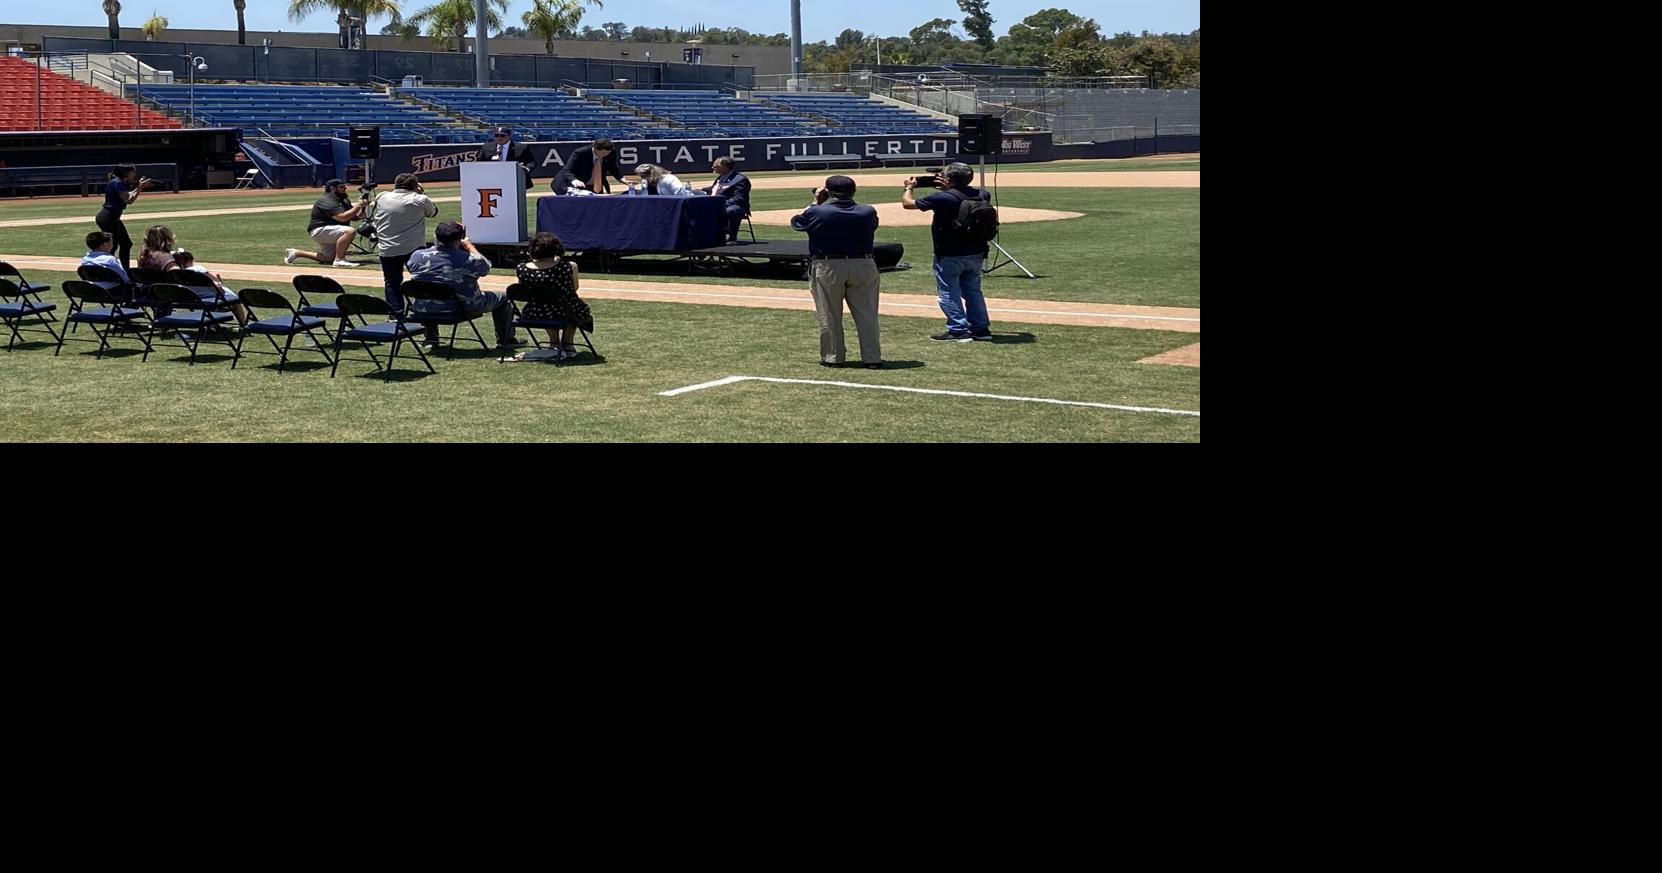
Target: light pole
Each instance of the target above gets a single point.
(197, 62)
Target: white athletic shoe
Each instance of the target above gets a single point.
(288, 256)
(344, 264)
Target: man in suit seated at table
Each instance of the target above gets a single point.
(731, 184)
(589, 169)
(503, 148)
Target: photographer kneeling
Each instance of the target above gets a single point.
(331, 226)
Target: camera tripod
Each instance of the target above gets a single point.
(1008, 258)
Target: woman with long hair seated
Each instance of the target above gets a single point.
(160, 243)
(549, 269)
(657, 180)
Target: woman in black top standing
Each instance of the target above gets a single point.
(123, 189)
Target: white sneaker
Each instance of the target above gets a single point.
(344, 264)
(288, 256)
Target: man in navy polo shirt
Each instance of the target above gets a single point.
(840, 234)
(958, 257)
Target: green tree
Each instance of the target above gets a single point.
(615, 30)
(154, 27)
(551, 19)
(448, 19)
(363, 10)
(978, 21)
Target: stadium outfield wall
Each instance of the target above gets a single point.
(693, 156)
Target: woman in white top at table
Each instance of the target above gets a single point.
(657, 180)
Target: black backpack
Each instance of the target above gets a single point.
(977, 219)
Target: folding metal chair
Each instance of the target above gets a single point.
(286, 325)
(364, 306)
(528, 293)
(109, 311)
(14, 312)
(421, 289)
(198, 315)
(317, 297)
(27, 287)
(247, 180)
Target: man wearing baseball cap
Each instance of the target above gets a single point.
(331, 226)
(503, 148)
(456, 263)
(840, 236)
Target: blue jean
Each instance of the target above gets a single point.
(960, 277)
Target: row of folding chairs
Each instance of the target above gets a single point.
(146, 308)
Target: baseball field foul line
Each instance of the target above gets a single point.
(730, 380)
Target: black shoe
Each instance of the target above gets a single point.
(950, 337)
(876, 365)
(982, 337)
(513, 344)
(828, 364)
(731, 242)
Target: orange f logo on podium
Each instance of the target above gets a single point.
(487, 201)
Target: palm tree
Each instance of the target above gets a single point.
(448, 18)
(555, 18)
(154, 27)
(242, 26)
(112, 8)
(363, 10)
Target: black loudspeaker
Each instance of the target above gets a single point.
(365, 142)
(980, 134)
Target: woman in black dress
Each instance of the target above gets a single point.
(124, 187)
(547, 269)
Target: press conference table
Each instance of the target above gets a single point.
(624, 223)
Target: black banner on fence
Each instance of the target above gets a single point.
(692, 157)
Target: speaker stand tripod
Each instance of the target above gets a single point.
(1008, 258)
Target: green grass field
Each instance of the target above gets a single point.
(1136, 246)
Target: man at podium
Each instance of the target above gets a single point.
(505, 149)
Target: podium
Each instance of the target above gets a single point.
(493, 202)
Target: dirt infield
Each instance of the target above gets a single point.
(1187, 356)
(280, 278)
(895, 215)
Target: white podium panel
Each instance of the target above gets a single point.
(493, 202)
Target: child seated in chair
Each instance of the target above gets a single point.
(184, 260)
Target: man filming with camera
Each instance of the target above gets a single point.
(958, 254)
(331, 225)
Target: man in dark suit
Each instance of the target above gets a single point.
(505, 149)
(590, 167)
(731, 184)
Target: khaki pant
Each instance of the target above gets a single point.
(832, 281)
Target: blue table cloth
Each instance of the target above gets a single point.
(636, 224)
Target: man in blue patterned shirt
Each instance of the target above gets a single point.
(456, 263)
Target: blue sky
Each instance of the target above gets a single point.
(821, 19)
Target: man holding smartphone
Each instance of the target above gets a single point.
(841, 234)
(400, 221)
(958, 256)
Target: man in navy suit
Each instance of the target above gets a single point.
(731, 184)
(591, 167)
(505, 149)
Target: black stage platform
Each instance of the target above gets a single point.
(760, 257)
